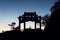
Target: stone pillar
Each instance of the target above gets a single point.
(18, 28)
(35, 25)
(40, 22)
(24, 25)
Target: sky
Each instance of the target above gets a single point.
(11, 9)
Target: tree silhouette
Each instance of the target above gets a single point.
(12, 25)
(54, 24)
(56, 6)
(45, 19)
(2, 31)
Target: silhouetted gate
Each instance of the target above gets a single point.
(29, 16)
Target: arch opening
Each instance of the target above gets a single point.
(22, 27)
(30, 25)
(37, 25)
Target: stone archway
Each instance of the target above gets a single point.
(30, 16)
